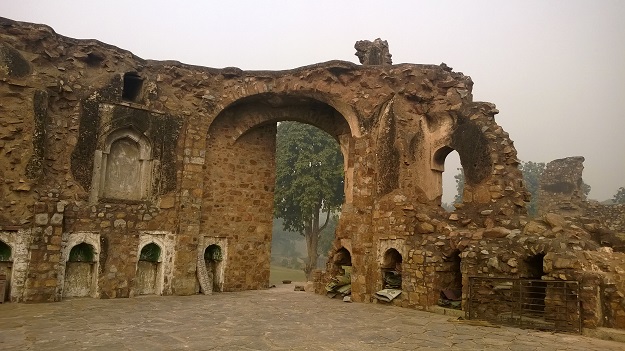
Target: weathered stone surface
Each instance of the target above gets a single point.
(103, 148)
(534, 227)
(373, 52)
(496, 232)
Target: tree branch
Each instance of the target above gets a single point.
(325, 223)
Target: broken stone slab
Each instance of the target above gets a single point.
(299, 288)
(533, 227)
(387, 295)
(555, 220)
(496, 232)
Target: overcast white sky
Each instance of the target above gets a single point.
(554, 68)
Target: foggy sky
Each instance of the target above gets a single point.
(555, 69)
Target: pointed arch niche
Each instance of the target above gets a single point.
(123, 168)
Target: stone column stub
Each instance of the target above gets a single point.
(373, 53)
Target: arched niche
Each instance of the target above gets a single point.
(6, 269)
(80, 271)
(342, 261)
(213, 258)
(391, 267)
(6, 253)
(155, 263)
(123, 168)
(148, 270)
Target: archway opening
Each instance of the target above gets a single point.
(535, 290)
(309, 187)
(148, 268)
(6, 266)
(80, 271)
(241, 186)
(391, 270)
(447, 164)
(213, 257)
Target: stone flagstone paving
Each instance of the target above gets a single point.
(275, 319)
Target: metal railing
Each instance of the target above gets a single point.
(526, 303)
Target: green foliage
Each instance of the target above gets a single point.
(619, 197)
(150, 252)
(213, 253)
(309, 175)
(532, 171)
(327, 235)
(309, 182)
(82, 252)
(459, 186)
(5, 252)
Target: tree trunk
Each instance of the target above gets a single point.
(312, 240)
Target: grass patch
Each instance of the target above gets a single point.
(277, 274)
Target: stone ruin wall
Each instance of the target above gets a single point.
(206, 143)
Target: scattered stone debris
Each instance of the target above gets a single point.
(392, 280)
(450, 298)
(340, 285)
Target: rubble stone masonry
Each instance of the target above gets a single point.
(101, 147)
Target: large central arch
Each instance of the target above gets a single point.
(239, 177)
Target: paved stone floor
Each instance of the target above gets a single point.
(275, 319)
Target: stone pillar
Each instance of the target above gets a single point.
(190, 205)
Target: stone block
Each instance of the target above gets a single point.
(41, 219)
